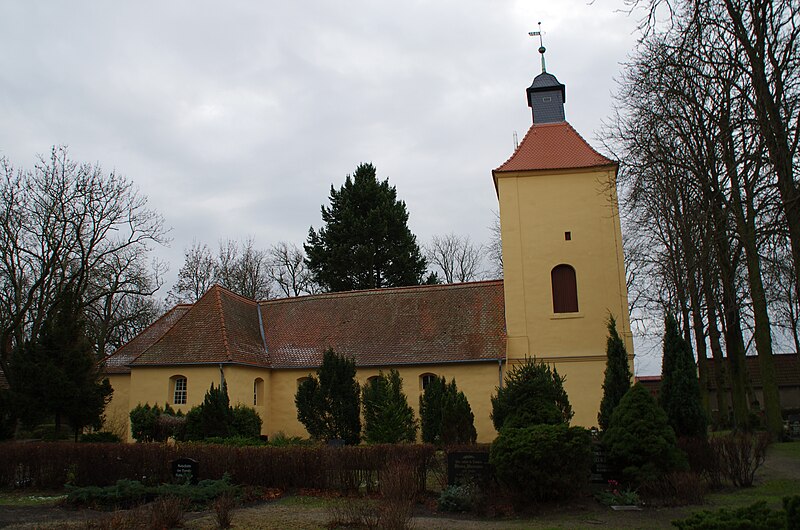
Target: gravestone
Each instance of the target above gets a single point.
(185, 470)
(465, 467)
(601, 469)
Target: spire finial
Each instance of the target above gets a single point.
(542, 49)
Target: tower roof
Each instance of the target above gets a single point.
(553, 146)
(545, 81)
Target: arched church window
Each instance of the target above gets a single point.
(178, 389)
(565, 289)
(258, 392)
(425, 380)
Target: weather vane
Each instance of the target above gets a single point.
(541, 44)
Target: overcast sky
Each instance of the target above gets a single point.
(235, 118)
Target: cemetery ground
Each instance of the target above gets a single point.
(273, 509)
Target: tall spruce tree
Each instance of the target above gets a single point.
(329, 403)
(366, 242)
(57, 374)
(617, 377)
(680, 391)
(388, 418)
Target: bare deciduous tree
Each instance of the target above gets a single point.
(456, 257)
(494, 250)
(242, 268)
(196, 275)
(65, 224)
(288, 270)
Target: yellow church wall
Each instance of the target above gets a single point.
(117, 419)
(152, 384)
(536, 209)
(477, 380)
(240, 381)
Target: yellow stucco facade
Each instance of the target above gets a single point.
(550, 218)
(277, 409)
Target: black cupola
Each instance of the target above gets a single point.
(546, 98)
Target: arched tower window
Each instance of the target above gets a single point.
(258, 392)
(565, 289)
(425, 380)
(178, 389)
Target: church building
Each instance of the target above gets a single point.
(564, 275)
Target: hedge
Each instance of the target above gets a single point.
(52, 465)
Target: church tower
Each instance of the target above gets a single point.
(563, 266)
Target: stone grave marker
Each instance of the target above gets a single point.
(464, 467)
(185, 469)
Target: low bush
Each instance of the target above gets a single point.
(100, 437)
(168, 512)
(676, 488)
(702, 459)
(124, 494)
(236, 441)
(223, 506)
(154, 424)
(542, 462)
(281, 440)
(399, 482)
(739, 455)
(757, 516)
(616, 496)
(128, 493)
(246, 422)
(460, 498)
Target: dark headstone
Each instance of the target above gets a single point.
(465, 467)
(601, 469)
(185, 469)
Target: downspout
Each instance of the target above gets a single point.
(500, 373)
(221, 376)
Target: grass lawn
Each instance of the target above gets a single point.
(26, 498)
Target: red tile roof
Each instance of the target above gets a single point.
(384, 327)
(117, 363)
(787, 371)
(221, 327)
(553, 146)
(381, 327)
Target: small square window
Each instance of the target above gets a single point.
(547, 99)
(567, 236)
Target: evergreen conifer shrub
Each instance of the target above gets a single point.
(680, 390)
(532, 394)
(617, 380)
(542, 462)
(445, 414)
(639, 441)
(388, 418)
(329, 403)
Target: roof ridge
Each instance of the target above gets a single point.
(598, 153)
(153, 323)
(383, 290)
(225, 342)
(234, 294)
